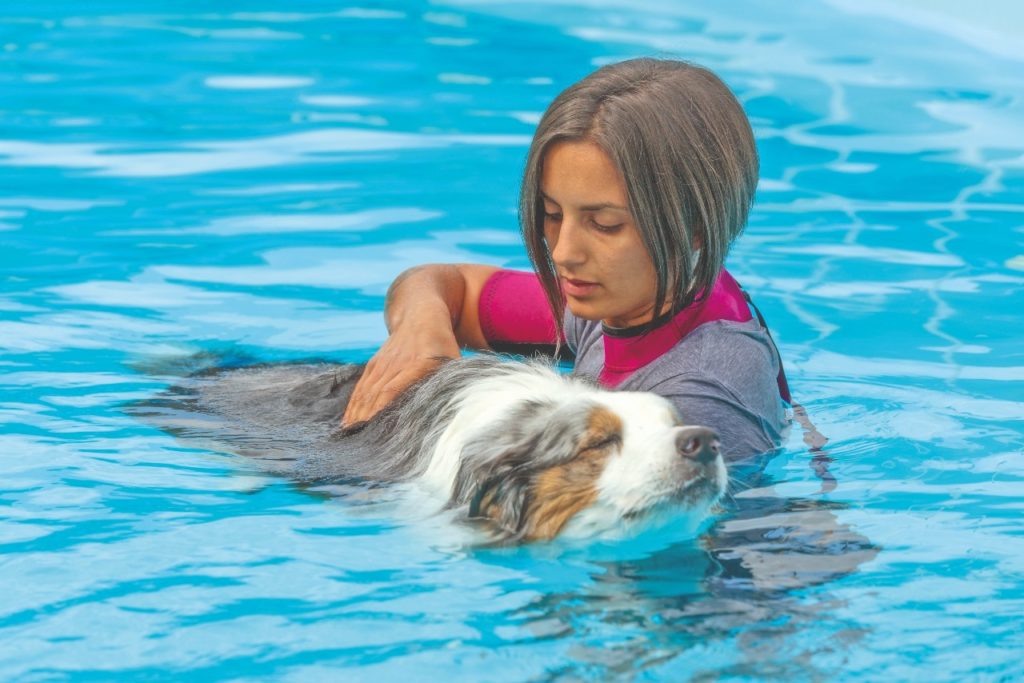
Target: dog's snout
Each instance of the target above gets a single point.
(697, 443)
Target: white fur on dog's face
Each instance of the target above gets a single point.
(648, 473)
(539, 454)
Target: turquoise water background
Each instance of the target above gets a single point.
(179, 177)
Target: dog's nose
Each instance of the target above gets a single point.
(697, 443)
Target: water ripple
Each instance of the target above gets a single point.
(245, 185)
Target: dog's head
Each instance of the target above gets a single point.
(594, 463)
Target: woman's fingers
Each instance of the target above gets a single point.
(358, 403)
(405, 357)
(377, 393)
(355, 406)
(382, 383)
(390, 392)
(364, 395)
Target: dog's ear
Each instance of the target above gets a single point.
(501, 504)
(499, 468)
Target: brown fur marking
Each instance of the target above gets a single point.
(562, 491)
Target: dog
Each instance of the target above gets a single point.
(517, 447)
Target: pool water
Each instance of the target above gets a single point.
(178, 178)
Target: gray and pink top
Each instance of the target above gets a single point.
(715, 359)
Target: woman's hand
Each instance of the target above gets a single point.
(431, 312)
(408, 355)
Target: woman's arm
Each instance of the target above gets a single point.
(431, 312)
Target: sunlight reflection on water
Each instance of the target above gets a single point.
(247, 184)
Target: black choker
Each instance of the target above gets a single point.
(636, 330)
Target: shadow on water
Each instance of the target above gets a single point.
(737, 601)
(752, 585)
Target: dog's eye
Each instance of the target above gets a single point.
(606, 441)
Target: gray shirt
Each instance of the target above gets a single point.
(722, 375)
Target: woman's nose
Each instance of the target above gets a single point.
(567, 248)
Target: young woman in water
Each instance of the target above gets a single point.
(638, 180)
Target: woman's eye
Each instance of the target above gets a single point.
(607, 228)
(552, 216)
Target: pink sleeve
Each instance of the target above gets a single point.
(514, 310)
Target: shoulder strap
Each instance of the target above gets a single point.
(781, 379)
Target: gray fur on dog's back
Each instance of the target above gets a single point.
(288, 417)
(280, 415)
(289, 397)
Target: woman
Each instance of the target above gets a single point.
(639, 178)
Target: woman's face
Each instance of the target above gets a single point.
(605, 270)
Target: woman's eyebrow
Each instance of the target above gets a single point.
(590, 207)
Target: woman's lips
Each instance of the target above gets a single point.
(578, 288)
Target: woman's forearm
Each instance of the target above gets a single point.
(439, 299)
(430, 294)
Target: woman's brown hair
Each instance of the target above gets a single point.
(686, 153)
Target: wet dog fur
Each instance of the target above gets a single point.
(518, 447)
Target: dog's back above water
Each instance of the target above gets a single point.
(528, 452)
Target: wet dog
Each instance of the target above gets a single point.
(526, 451)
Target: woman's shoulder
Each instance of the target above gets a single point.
(724, 350)
(734, 359)
(726, 344)
(738, 356)
(724, 375)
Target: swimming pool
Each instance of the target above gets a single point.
(175, 180)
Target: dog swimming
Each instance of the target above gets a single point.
(516, 447)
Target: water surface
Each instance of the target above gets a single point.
(177, 179)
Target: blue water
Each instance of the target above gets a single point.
(248, 177)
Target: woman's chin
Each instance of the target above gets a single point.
(588, 309)
(581, 309)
